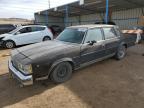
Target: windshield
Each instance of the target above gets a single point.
(72, 35)
(13, 31)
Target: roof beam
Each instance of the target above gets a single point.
(134, 3)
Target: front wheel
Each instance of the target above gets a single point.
(61, 73)
(121, 52)
(9, 44)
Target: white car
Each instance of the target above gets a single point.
(25, 35)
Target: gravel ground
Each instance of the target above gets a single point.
(107, 84)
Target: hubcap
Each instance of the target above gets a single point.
(121, 52)
(9, 45)
(62, 72)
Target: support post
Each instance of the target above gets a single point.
(66, 15)
(142, 11)
(47, 18)
(107, 12)
(79, 18)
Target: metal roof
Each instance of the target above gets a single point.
(91, 26)
(91, 7)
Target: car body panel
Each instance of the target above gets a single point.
(46, 55)
(27, 38)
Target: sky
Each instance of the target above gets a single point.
(26, 8)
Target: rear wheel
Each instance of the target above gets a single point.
(46, 38)
(121, 52)
(9, 44)
(61, 73)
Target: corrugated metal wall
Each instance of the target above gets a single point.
(41, 19)
(125, 19)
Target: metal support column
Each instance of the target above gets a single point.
(47, 18)
(79, 18)
(66, 16)
(142, 11)
(107, 12)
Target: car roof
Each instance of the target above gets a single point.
(91, 26)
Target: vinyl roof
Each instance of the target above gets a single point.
(91, 7)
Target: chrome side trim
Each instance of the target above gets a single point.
(94, 61)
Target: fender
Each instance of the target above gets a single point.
(4, 41)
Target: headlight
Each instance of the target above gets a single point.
(27, 69)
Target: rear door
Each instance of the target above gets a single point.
(38, 34)
(96, 51)
(111, 40)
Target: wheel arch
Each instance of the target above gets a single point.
(47, 36)
(10, 40)
(69, 60)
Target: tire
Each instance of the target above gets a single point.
(121, 53)
(46, 38)
(9, 44)
(61, 73)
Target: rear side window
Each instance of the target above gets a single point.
(117, 31)
(109, 33)
(34, 29)
(94, 35)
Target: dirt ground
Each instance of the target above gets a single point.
(107, 84)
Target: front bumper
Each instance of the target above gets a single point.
(24, 80)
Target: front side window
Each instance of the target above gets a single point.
(109, 33)
(25, 30)
(13, 31)
(72, 35)
(94, 35)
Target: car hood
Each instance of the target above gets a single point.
(49, 48)
(4, 35)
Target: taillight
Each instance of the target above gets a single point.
(50, 30)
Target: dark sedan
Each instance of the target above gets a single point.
(74, 48)
(5, 28)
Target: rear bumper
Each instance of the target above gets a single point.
(24, 80)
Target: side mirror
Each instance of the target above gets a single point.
(91, 42)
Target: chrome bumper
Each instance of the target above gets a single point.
(24, 80)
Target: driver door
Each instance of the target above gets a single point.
(23, 36)
(95, 51)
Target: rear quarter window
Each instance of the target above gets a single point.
(109, 33)
(34, 29)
